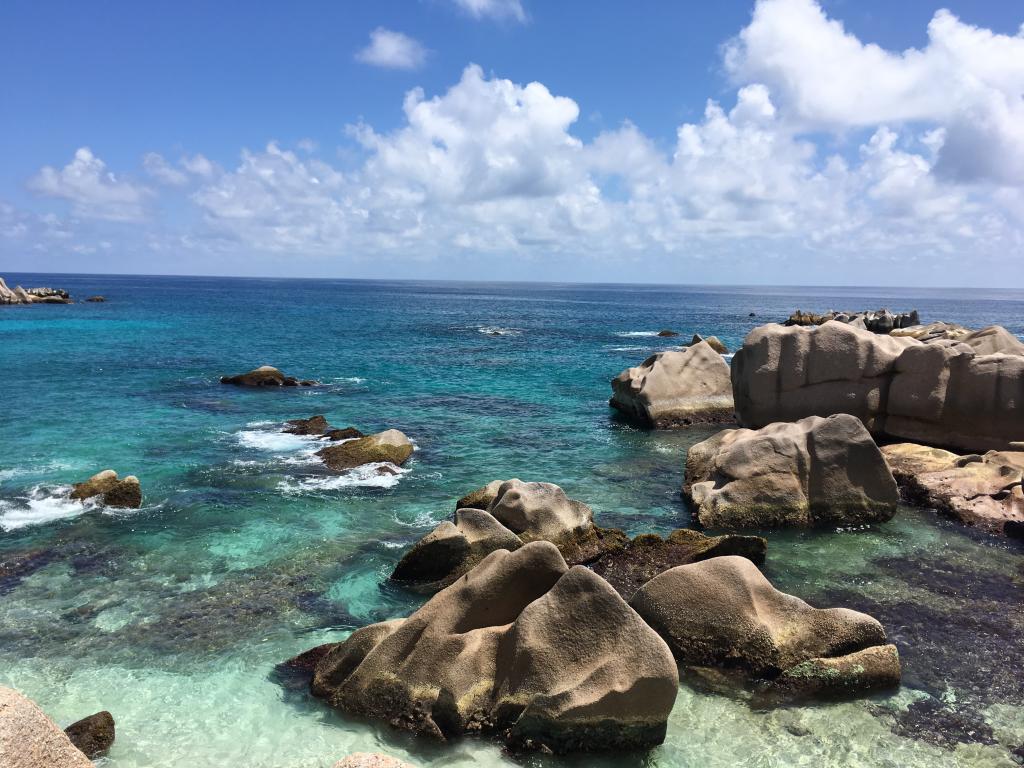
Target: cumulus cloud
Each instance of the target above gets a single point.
(92, 190)
(969, 79)
(392, 50)
(158, 167)
(493, 9)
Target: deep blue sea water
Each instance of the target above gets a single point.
(246, 551)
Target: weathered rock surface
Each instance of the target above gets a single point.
(314, 425)
(93, 735)
(30, 739)
(19, 295)
(265, 376)
(723, 612)
(390, 446)
(516, 513)
(711, 341)
(629, 567)
(882, 321)
(676, 388)
(345, 433)
(816, 471)
(371, 760)
(490, 654)
(943, 392)
(481, 498)
(982, 491)
(114, 492)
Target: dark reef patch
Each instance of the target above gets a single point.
(931, 721)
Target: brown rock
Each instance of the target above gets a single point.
(93, 735)
(96, 299)
(314, 425)
(125, 493)
(711, 341)
(390, 446)
(348, 433)
(264, 376)
(667, 333)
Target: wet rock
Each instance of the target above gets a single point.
(96, 299)
(813, 472)
(93, 735)
(723, 612)
(942, 392)
(630, 567)
(711, 341)
(489, 654)
(347, 433)
(676, 388)
(265, 376)
(390, 446)
(371, 760)
(981, 491)
(30, 739)
(666, 333)
(114, 492)
(296, 674)
(314, 425)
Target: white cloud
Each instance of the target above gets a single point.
(493, 9)
(392, 50)
(157, 167)
(199, 166)
(92, 190)
(968, 79)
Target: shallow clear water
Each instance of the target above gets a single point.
(246, 552)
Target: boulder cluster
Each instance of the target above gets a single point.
(19, 295)
(882, 321)
(110, 490)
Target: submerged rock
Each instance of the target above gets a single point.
(631, 566)
(489, 654)
(965, 394)
(96, 299)
(265, 376)
(30, 739)
(723, 612)
(982, 491)
(314, 425)
(812, 472)
(676, 388)
(93, 735)
(114, 492)
(667, 333)
(390, 446)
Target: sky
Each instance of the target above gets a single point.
(843, 142)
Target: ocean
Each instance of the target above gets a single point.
(247, 552)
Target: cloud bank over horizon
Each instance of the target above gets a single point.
(828, 149)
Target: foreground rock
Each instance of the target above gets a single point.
(113, 491)
(817, 471)
(29, 739)
(93, 735)
(967, 393)
(265, 376)
(371, 760)
(723, 612)
(489, 655)
(516, 513)
(389, 446)
(675, 389)
(981, 491)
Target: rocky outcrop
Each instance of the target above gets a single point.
(964, 394)
(481, 498)
(816, 471)
(668, 333)
(882, 321)
(516, 513)
(981, 491)
(96, 299)
(113, 491)
(30, 739)
(371, 760)
(19, 295)
(491, 654)
(93, 735)
(676, 388)
(314, 425)
(388, 446)
(711, 341)
(938, 331)
(345, 433)
(723, 612)
(265, 376)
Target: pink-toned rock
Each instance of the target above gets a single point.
(30, 739)
(371, 760)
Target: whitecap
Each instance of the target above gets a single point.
(349, 380)
(42, 504)
(272, 441)
(365, 476)
(497, 330)
(627, 349)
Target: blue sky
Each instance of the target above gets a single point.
(854, 142)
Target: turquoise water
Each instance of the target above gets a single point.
(246, 552)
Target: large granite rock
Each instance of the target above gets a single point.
(113, 491)
(19, 295)
(516, 512)
(542, 655)
(982, 491)
(29, 739)
(265, 376)
(676, 388)
(941, 392)
(723, 612)
(93, 735)
(816, 471)
(390, 446)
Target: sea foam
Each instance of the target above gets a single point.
(365, 476)
(42, 504)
